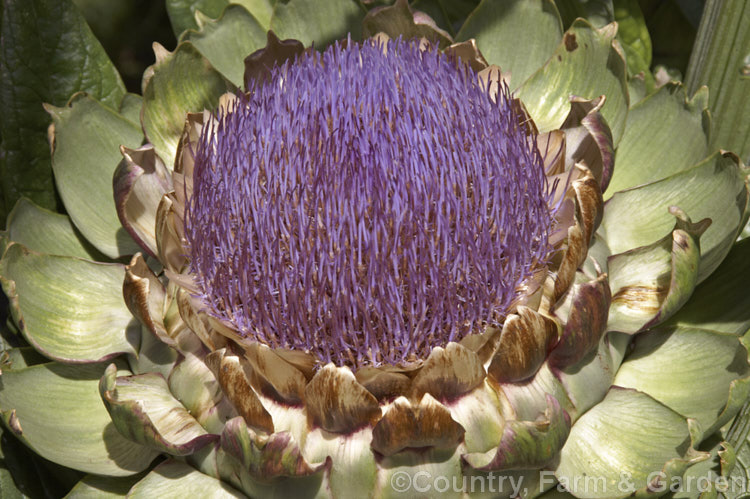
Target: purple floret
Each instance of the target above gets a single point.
(366, 207)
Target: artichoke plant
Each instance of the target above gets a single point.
(382, 260)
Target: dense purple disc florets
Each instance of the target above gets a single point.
(366, 205)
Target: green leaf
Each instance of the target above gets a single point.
(274, 466)
(69, 309)
(262, 10)
(721, 303)
(226, 41)
(737, 437)
(399, 20)
(154, 356)
(193, 384)
(637, 89)
(633, 35)
(587, 383)
(86, 151)
(130, 107)
(182, 12)
(713, 189)
(48, 232)
(526, 444)
(650, 283)
(665, 134)
(556, 493)
(529, 400)
(48, 54)
(500, 28)
(56, 410)
(183, 81)
(24, 474)
(447, 14)
(176, 480)
(679, 365)
(318, 22)
(103, 487)
(628, 432)
(597, 12)
(721, 60)
(355, 459)
(480, 416)
(144, 410)
(700, 480)
(585, 64)
(20, 357)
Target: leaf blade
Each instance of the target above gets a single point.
(48, 54)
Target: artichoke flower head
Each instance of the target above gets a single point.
(387, 268)
(352, 208)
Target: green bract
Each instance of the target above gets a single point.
(619, 371)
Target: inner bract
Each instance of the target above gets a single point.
(366, 204)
